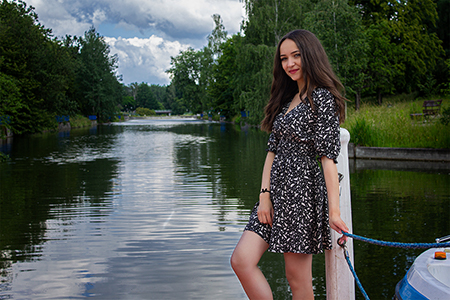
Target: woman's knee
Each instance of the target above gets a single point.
(248, 251)
(238, 260)
(298, 271)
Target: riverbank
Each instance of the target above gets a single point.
(377, 154)
(411, 154)
(162, 117)
(369, 153)
(359, 152)
(390, 125)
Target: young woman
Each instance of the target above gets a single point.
(298, 202)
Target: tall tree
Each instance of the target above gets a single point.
(400, 32)
(384, 65)
(443, 24)
(217, 37)
(99, 88)
(222, 88)
(269, 20)
(191, 74)
(339, 28)
(146, 98)
(172, 102)
(253, 79)
(133, 89)
(10, 100)
(37, 65)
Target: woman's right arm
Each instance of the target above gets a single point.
(265, 209)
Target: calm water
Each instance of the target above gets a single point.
(152, 209)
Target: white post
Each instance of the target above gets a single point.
(340, 281)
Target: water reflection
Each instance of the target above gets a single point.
(151, 209)
(48, 194)
(401, 206)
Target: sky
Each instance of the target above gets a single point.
(143, 33)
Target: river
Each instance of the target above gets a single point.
(152, 209)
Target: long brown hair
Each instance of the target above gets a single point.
(317, 72)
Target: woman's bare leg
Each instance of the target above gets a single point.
(244, 262)
(299, 275)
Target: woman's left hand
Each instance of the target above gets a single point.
(338, 225)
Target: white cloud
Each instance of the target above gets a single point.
(143, 33)
(172, 19)
(144, 60)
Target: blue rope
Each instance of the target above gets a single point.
(381, 243)
(358, 282)
(397, 245)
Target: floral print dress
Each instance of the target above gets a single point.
(297, 185)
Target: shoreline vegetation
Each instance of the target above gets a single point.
(388, 125)
(376, 132)
(44, 80)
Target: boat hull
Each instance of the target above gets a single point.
(427, 279)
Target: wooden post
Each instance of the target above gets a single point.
(340, 281)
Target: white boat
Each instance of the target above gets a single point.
(428, 278)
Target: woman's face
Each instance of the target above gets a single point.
(291, 60)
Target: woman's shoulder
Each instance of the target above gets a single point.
(323, 98)
(321, 92)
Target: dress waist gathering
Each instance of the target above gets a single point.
(300, 149)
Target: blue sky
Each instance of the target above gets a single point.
(143, 33)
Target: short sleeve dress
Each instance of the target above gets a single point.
(297, 185)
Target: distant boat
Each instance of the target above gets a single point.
(428, 278)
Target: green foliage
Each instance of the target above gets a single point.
(79, 121)
(142, 111)
(402, 43)
(443, 24)
(4, 157)
(378, 126)
(415, 108)
(191, 74)
(428, 86)
(362, 133)
(222, 88)
(445, 117)
(128, 103)
(268, 21)
(97, 86)
(445, 85)
(41, 77)
(23, 49)
(10, 97)
(170, 101)
(146, 98)
(217, 36)
(253, 80)
(383, 65)
(377, 48)
(339, 28)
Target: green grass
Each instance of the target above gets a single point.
(79, 121)
(390, 125)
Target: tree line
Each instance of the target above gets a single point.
(42, 77)
(377, 48)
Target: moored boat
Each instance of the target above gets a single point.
(428, 278)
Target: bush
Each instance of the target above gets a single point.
(445, 117)
(362, 133)
(391, 126)
(236, 119)
(3, 157)
(142, 111)
(79, 121)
